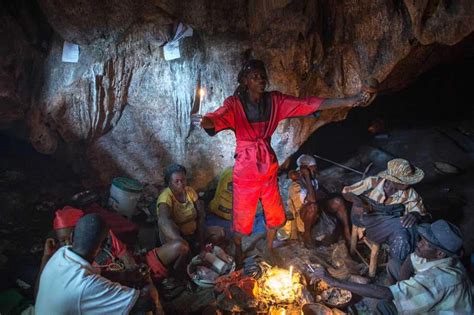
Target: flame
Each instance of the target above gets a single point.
(279, 286)
(202, 92)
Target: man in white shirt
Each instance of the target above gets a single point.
(70, 285)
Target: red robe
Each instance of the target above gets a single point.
(256, 165)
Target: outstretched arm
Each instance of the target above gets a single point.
(364, 97)
(351, 101)
(366, 290)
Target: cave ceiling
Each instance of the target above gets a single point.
(123, 109)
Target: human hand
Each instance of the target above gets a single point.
(361, 98)
(138, 275)
(367, 93)
(196, 120)
(320, 273)
(293, 175)
(50, 246)
(410, 219)
(305, 171)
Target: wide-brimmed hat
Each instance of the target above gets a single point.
(402, 172)
(443, 235)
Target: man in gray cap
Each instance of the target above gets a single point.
(439, 283)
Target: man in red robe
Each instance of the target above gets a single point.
(253, 115)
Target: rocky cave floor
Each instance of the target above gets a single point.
(33, 186)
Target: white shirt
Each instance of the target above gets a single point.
(70, 285)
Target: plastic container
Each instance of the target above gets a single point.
(124, 195)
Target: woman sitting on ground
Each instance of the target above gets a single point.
(181, 224)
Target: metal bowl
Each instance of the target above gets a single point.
(330, 294)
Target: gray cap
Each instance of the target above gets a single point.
(443, 235)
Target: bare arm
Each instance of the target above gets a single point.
(406, 270)
(50, 247)
(366, 290)
(339, 102)
(201, 121)
(351, 197)
(148, 300)
(206, 123)
(352, 101)
(166, 224)
(369, 89)
(144, 302)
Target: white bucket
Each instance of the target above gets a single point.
(124, 195)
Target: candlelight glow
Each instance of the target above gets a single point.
(202, 92)
(279, 286)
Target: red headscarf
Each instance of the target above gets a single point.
(67, 217)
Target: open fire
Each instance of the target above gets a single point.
(280, 290)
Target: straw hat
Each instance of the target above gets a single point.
(402, 172)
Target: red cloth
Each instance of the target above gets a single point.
(67, 217)
(256, 165)
(158, 270)
(113, 249)
(124, 229)
(236, 278)
(118, 247)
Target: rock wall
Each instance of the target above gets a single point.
(124, 110)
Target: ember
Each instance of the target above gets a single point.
(278, 286)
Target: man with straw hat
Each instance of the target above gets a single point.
(437, 284)
(389, 209)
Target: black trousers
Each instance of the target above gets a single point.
(388, 229)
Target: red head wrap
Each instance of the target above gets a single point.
(67, 217)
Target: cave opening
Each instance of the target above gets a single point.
(429, 122)
(440, 97)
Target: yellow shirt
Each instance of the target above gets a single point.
(221, 205)
(183, 214)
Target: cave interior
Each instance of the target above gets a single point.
(123, 109)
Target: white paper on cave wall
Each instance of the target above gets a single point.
(171, 49)
(70, 52)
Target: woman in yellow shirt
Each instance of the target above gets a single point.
(180, 222)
